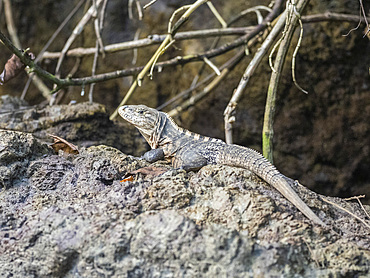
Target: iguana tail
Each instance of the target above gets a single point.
(253, 161)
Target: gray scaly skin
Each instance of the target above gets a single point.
(191, 151)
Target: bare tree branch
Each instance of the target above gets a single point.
(229, 111)
(149, 4)
(225, 70)
(76, 31)
(14, 36)
(157, 39)
(328, 16)
(152, 40)
(246, 34)
(267, 133)
(159, 52)
(46, 46)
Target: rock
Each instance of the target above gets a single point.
(17, 149)
(83, 124)
(46, 174)
(72, 216)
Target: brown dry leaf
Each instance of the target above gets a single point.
(130, 178)
(12, 68)
(150, 171)
(64, 145)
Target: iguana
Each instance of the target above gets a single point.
(191, 151)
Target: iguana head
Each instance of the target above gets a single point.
(145, 119)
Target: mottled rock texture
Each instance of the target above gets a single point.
(71, 216)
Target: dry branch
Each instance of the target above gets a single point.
(346, 210)
(39, 57)
(168, 40)
(157, 39)
(328, 16)
(76, 31)
(229, 111)
(267, 132)
(151, 40)
(246, 34)
(225, 70)
(14, 36)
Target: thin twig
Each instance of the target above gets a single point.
(149, 4)
(186, 92)
(14, 36)
(204, 80)
(172, 18)
(225, 25)
(363, 13)
(294, 57)
(102, 14)
(76, 31)
(75, 67)
(211, 65)
(191, 101)
(358, 199)
(247, 32)
(99, 48)
(216, 14)
(139, 10)
(157, 39)
(97, 29)
(93, 70)
(61, 83)
(228, 113)
(328, 16)
(46, 46)
(213, 45)
(130, 13)
(152, 40)
(10, 23)
(134, 56)
(354, 198)
(226, 68)
(250, 10)
(159, 51)
(346, 210)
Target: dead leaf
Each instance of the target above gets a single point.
(130, 178)
(147, 171)
(12, 68)
(64, 145)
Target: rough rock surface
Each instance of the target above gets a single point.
(71, 216)
(84, 124)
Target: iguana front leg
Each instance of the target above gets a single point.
(153, 155)
(189, 161)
